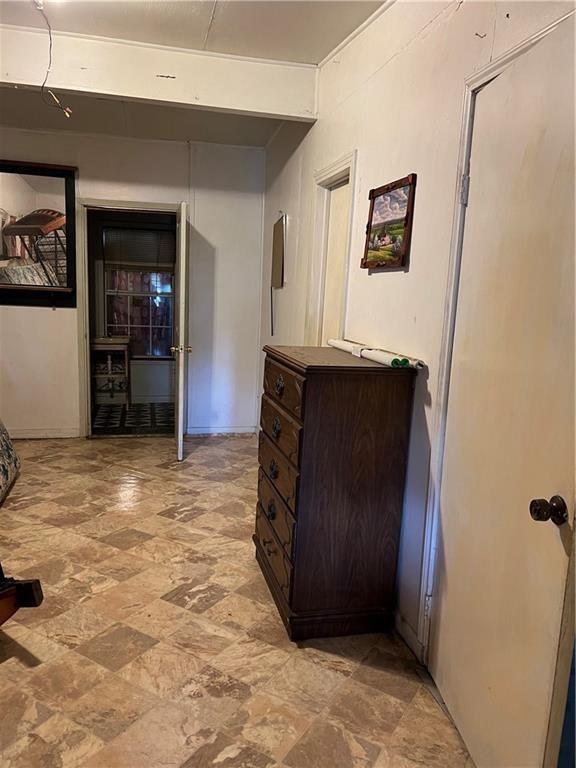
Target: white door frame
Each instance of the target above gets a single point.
(473, 86)
(82, 206)
(325, 179)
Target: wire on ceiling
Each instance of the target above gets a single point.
(209, 27)
(56, 103)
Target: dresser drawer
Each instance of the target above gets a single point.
(277, 513)
(277, 560)
(279, 470)
(284, 386)
(281, 429)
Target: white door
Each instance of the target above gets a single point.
(335, 270)
(181, 350)
(510, 425)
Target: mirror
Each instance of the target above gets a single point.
(37, 234)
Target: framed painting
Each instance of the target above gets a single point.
(37, 234)
(389, 228)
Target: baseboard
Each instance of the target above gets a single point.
(43, 434)
(221, 430)
(409, 636)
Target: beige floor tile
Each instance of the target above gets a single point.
(52, 605)
(270, 724)
(110, 708)
(196, 597)
(223, 752)
(72, 743)
(203, 638)
(101, 525)
(305, 685)
(125, 538)
(365, 711)
(271, 629)
(164, 737)
(158, 619)
(163, 670)
(256, 589)
(21, 713)
(161, 551)
(396, 684)
(74, 626)
(23, 650)
(64, 679)
(122, 566)
(213, 696)
(84, 585)
(340, 654)
(236, 611)
(329, 744)
(251, 660)
(389, 758)
(116, 646)
(90, 552)
(426, 735)
(120, 601)
(51, 571)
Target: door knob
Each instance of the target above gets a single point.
(555, 510)
(174, 349)
(188, 349)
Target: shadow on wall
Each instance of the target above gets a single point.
(201, 301)
(290, 136)
(415, 503)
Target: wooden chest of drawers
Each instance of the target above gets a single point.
(332, 450)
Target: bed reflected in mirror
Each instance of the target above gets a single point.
(37, 245)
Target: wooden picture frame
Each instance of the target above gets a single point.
(389, 228)
(38, 235)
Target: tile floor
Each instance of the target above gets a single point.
(158, 644)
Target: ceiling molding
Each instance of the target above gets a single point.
(353, 35)
(168, 48)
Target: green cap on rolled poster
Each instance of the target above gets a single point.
(400, 362)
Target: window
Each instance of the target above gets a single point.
(140, 304)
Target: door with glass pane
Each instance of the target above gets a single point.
(132, 286)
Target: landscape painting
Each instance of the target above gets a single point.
(390, 224)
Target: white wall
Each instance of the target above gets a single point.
(395, 94)
(16, 195)
(39, 368)
(227, 209)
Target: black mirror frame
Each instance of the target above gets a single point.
(39, 296)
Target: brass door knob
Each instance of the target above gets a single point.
(188, 349)
(174, 349)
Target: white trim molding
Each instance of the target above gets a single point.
(341, 170)
(82, 289)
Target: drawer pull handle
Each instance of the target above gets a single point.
(271, 512)
(276, 427)
(274, 469)
(279, 386)
(266, 542)
(271, 552)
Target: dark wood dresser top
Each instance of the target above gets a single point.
(308, 359)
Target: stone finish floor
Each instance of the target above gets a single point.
(158, 644)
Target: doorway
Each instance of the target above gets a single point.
(131, 287)
(336, 262)
(501, 639)
(334, 192)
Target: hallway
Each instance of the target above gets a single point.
(158, 643)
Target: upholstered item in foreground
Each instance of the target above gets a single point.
(9, 462)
